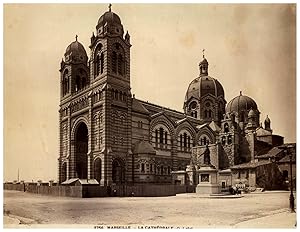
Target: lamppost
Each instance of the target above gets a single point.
(287, 150)
(292, 199)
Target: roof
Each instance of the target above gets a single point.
(251, 164)
(274, 152)
(214, 126)
(137, 106)
(81, 181)
(260, 132)
(143, 147)
(286, 158)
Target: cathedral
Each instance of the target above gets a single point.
(109, 137)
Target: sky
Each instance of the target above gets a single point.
(250, 48)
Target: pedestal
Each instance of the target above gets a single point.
(208, 182)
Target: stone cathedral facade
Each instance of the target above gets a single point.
(108, 135)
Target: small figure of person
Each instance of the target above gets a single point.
(115, 192)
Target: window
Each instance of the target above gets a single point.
(184, 140)
(99, 61)
(142, 167)
(161, 135)
(65, 83)
(204, 141)
(102, 63)
(151, 168)
(180, 142)
(161, 170)
(189, 142)
(120, 64)
(114, 62)
(97, 65)
(226, 128)
(169, 170)
(166, 137)
(118, 61)
(156, 136)
(223, 140)
(229, 139)
(193, 105)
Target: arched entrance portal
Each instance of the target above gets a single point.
(118, 172)
(81, 149)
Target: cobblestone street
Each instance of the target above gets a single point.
(267, 209)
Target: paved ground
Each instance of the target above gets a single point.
(261, 210)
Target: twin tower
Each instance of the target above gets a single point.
(95, 104)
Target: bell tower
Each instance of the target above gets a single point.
(110, 75)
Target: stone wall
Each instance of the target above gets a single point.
(102, 191)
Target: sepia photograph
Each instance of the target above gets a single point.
(149, 116)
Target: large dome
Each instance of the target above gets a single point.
(76, 52)
(201, 86)
(241, 103)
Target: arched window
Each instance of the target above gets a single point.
(226, 128)
(166, 137)
(161, 135)
(120, 64)
(156, 136)
(161, 170)
(184, 140)
(78, 83)
(65, 83)
(118, 59)
(101, 63)
(97, 65)
(114, 62)
(189, 141)
(116, 94)
(209, 113)
(180, 142)
(195, 114)
(142, 167)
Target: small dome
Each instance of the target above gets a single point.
(110, 18)
(76, 52)
(201, 86)
(241, 103)
(109, 23)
